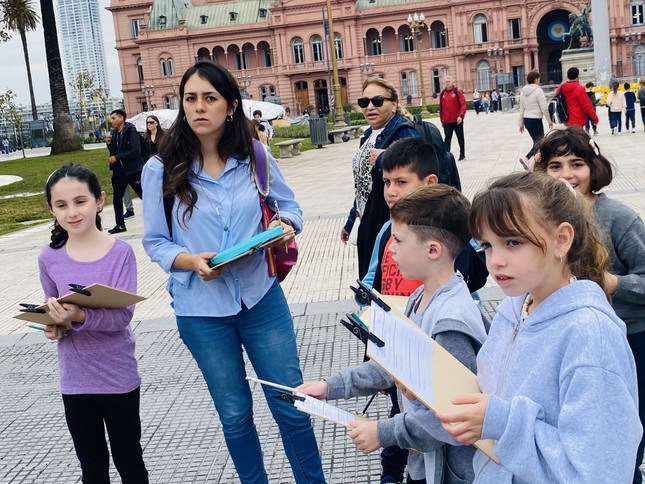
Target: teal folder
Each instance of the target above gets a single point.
(246, 247)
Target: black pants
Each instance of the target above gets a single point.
(119, 183)
(458, 128)
(637, 344)
(86, 415)
(536, 129)
(393, 458)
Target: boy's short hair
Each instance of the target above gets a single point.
(119, 112)
(573, 73)
(438, 212)
(258, 112)
(627, 86)
(413, 153)
(589, 85)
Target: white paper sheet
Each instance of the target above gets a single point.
(320, 408)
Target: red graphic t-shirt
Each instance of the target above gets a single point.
(392, 282)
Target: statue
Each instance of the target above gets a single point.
(579, 27)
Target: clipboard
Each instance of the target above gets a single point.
(91, 297)
(246, 247)
(448, 375)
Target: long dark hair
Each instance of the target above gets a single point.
(82, 174)
(160, 130)
(180, 146)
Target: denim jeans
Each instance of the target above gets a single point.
(267, 336)
(536, 130)
(616, 120)
(630, 115)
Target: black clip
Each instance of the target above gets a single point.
(358, 328)
(77, 288)
(31, 308)
(366, 292)
(361, 296)
(288, 397)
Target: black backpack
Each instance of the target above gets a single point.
(558, 109)
(428, 132)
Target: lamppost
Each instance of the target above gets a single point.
(339, 120)
(367, 68)
(148, 91)
(633, 39)
(244, 82)
(495, 54)
(417, 22)
(175, 88)
(103, 94)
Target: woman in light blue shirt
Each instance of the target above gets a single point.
(208, 157)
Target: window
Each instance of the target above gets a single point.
(203, 53)
(298, 51)
(266, 56)
(637, 13)
(639, 60)
(407, 43)
(266, 91)
(480, 29)
(408, 84)
(317, 49)
(139, 69)
(518, 76)
(162, 67)
(439, 35)
(375, 46)
(170, 67)
(514, 30)
(167, 102)
(135, 26)
(239, 60)
(483, 76)
(338, 43)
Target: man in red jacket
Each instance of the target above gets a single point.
(579, 105)
(452, 109)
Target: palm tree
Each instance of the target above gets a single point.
(19, 15)
(65, 137)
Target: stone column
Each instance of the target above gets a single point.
(600, 25)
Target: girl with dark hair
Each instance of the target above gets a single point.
(573, 156)
(99, 379)
(154, 133)
(208, 159)
(560, 397)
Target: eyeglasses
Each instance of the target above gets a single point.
(377, 101)
(151, 122)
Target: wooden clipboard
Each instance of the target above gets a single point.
(449, 376)
(91, 297)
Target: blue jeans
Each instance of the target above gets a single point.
(616, 120)
(630, 115)
(267, 336)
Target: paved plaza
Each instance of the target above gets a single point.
(182, 438)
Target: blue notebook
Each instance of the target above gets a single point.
(247, 247)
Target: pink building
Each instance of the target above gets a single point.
(282, 45)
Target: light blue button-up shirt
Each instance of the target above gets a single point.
(227, 212)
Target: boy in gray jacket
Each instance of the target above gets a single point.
(429, 231)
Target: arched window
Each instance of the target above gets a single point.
(162, 67)
(483, 75)
(203, 53)
(407, 42)
(439, 35)
(139, 69)
(637, 12)
(317, 49)
(480, 28)
(298, 50)
(338, 42)
(170, 67)
(373, 40)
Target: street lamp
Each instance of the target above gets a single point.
(494, 54)
(244, 82)
(148, 91)
(417, 23)
(367, 68)
(339, 120)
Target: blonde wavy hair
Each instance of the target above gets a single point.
(387, 85)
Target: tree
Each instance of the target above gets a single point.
(84, 84)
(65, 138)
(9, 113)
(19, 15)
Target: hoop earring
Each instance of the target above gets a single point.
(185, 119)
(229, 119)
(561, 259)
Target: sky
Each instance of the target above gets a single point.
(14, 72)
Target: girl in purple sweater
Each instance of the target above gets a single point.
(99, 379)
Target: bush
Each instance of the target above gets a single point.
(291, 132)
(356, 116)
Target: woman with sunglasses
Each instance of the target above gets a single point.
(382, 111)
(154, 133)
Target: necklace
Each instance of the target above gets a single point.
(217, 204)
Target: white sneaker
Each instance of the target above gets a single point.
(633, 130)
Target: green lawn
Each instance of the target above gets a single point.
(34, 173)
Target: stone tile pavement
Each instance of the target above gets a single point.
(181, 433)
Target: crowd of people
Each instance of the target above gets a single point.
(560, 366)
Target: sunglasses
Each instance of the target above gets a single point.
(377, 101)
(151, 122)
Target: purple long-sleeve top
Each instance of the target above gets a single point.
(96, 356)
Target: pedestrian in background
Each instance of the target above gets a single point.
(617, 105)
(452, 111)
(630, 108)
(533, 108)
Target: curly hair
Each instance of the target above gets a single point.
(389, 87)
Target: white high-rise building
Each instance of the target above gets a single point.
(81, 38)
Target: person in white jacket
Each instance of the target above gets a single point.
(617, 106)
(533, 107)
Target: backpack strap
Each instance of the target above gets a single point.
(395, 130)
(168, 201)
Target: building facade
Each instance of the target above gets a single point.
(81, 38)
(279, 50)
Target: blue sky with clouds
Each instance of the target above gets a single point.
(14, 73)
